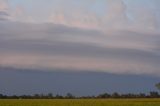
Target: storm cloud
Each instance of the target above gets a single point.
(57, 46)
(112, 36)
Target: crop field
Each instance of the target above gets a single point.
(81, 102)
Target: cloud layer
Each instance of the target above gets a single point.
(58, 46)
(118, 40)
(4, 15)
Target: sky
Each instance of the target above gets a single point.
(113, 36)
(80, 83)
(80, 46)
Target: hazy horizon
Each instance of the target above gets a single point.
(82, 83)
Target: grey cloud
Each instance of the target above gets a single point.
(2, 19)
(4, 10)
(75, 49)
(3, 15)
(60, 41)
(43, 30)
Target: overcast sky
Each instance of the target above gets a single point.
(115, 36)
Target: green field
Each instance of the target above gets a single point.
(82, 102)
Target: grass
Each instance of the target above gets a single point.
(81, 102)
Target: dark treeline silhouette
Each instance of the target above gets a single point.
(70, 96)
(152, 94)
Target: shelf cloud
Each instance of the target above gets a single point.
(109, 36)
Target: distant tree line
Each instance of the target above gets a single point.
(152, 94)
(70, 96)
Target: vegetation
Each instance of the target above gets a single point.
(80, 102)
(105, 99)
(158, 86)
(70, 96)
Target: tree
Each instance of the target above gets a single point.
(70, 96)
(1, 96)
(105, 95)
(50, 95)
(154, 94)
(36, 96)
(158, 86)
(58, 96)
(115, 95)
